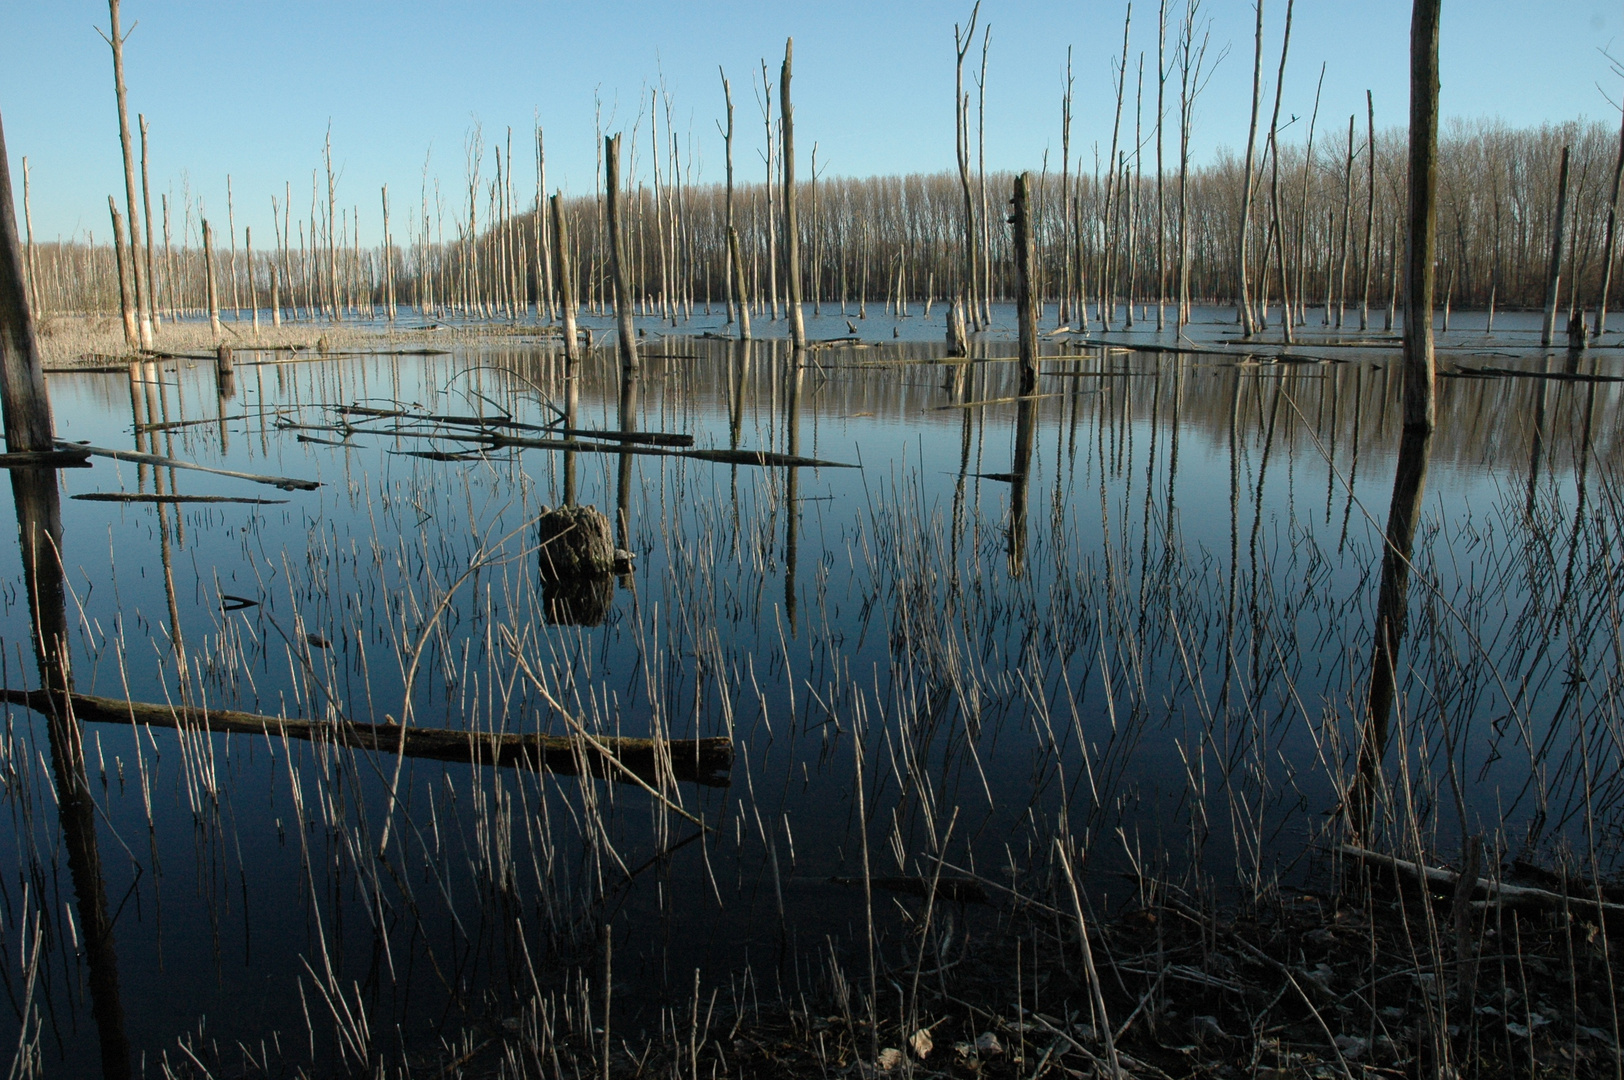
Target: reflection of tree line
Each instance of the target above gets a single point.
(1349, 406)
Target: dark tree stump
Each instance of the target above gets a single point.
(576, 544)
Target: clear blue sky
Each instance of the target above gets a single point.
(250, 88)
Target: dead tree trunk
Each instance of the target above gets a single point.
(143, 313)
(792, 234)
(126, 304)
(617, 256)
(1274, 185)
(1026, 269)
(24, 406)
(741, 293)
(1553, 280)
(961, 133)
(730, 255)
(565, 273)
(1608, 248)
(1419, 412)
(1244, 294)
(210, 288)
(1370, 208)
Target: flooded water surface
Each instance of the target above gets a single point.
(949, 631)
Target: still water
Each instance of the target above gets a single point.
(1134, 612)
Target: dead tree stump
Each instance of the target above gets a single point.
(576, 543)
(957, 342)
(577, 558)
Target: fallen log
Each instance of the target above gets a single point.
(45, 459)
(708, 762)
(725, 457)
(651, 438)
(283, 482)
(149, 497)
(1485, 890)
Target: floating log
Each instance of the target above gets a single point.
(45, 459)
(726, 457)
(651, 438)
(283, 482)
(708, 762)
(149, 497)
(762, 457)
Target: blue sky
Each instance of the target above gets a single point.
(249, 89)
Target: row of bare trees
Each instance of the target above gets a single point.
(1108, 248)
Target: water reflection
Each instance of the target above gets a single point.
(1392, 620)
(39, 520)
(1161, 645)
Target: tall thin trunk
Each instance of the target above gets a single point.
(1161, 206)
(25, 408)
(961, 133)
(115, 39)
(1026, 269)
(146, 213)
(1347, 223)
(211, 290)
(1274, 183)
(1553, 279)
(1244, 301)
(617, 256)
(1370, 207)
(126, 299)
(564, 271)
(1302, 224)
(1608, 247)
(792, 228)
(1419, 408)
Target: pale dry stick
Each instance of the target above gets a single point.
(475, 564)
(1088, 964)
(868, 885)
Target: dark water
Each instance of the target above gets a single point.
(1135, 613)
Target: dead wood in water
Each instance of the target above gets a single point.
(150, 497)
(283, 482)
(708, 762)
(1486, 889)
(45, 459)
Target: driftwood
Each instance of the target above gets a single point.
(45, 459)
(283, 482)
(1486, 890)
(652, 438)
(726, 457)
(149, 497)
(708, 762)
